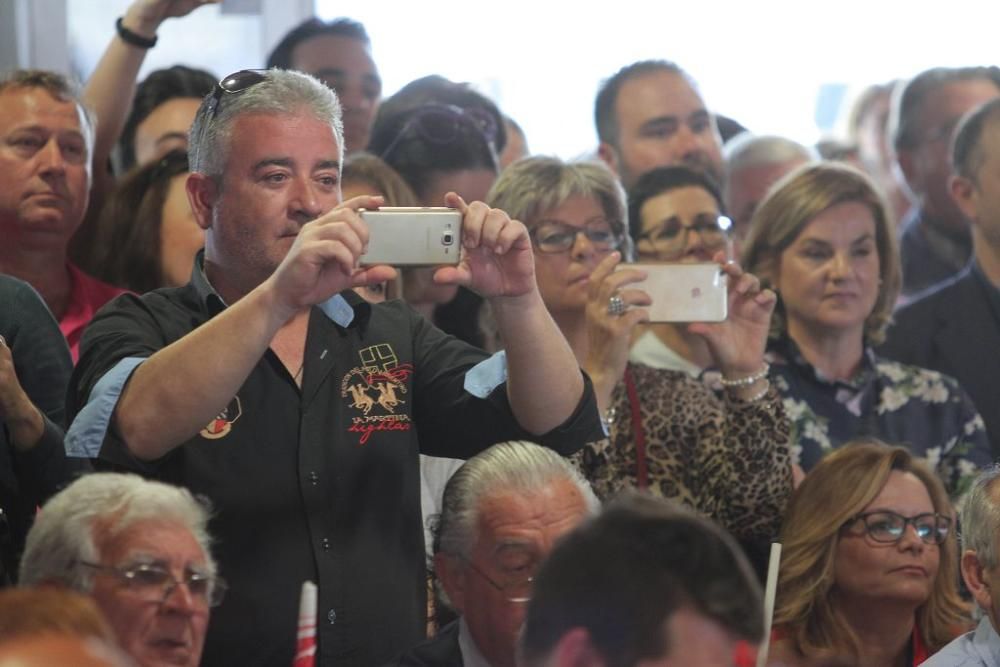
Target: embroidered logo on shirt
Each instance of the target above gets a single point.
(375, 389)
(223, 422)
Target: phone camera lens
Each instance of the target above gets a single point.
(447, 238)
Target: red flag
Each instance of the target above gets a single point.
(305, 650)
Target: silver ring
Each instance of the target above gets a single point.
(616, 305)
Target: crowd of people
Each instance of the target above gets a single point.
(228, 441)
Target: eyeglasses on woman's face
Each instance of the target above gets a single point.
(555, 237)
(669, 240)
(889, 527)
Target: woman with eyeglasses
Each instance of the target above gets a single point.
(675, 216)
(823, 241)
(869, 563)
(726, 457)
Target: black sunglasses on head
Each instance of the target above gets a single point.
(234, 84)
(444, 123)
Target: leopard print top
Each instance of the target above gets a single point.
(725, 458)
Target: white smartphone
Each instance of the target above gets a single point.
(683, 292)
(413, 236)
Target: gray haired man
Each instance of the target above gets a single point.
(502, 512)
(140, 549)
(935, 242)
(298, 408)
(981, 571)
(753, 164)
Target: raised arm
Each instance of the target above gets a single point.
(738, 342)
(111, 88)
(544, 382)
(609, 334)
(186, 384)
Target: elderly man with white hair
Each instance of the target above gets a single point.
(502, 513)
(981, 571)
(140, 549)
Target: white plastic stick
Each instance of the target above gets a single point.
(770, 589)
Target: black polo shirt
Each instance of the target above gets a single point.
(320, 484)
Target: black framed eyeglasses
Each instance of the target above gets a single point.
(444, 123)
(154, 583)
(517, 591)
(554, 237)
(670, 238)
(234, 84)
(889, 527)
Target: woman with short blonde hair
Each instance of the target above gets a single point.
(800, 198)
(822, 239)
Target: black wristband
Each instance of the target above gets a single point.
(132, 38)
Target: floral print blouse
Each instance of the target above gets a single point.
(922, 410)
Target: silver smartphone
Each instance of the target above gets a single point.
(413, 236)
(683, 292)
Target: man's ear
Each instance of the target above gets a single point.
(964, 192)
(975, 579)
(203, 193)
(451, 573)
(576, 650)
(609, 155)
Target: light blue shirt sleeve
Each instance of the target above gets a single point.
(338, 310)
(487, 375)
(86, 433)
(979, 648)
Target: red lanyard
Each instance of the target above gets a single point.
(638, 432)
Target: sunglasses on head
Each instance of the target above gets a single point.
(234, 84)
(444, 123)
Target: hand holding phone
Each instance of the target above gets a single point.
(684, 292)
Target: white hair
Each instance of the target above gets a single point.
(981, 518)
(63, 533)
(749, 150)
(516, 466)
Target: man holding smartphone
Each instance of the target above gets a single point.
(294, 406)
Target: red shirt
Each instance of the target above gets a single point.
(88, 295)
(917, 646)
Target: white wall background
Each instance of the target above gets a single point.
(767, 64)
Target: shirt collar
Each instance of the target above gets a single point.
(987, 641)
(471, 657)
(784, 350)
(342, 309)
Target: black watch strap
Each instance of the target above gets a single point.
(132, 38)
